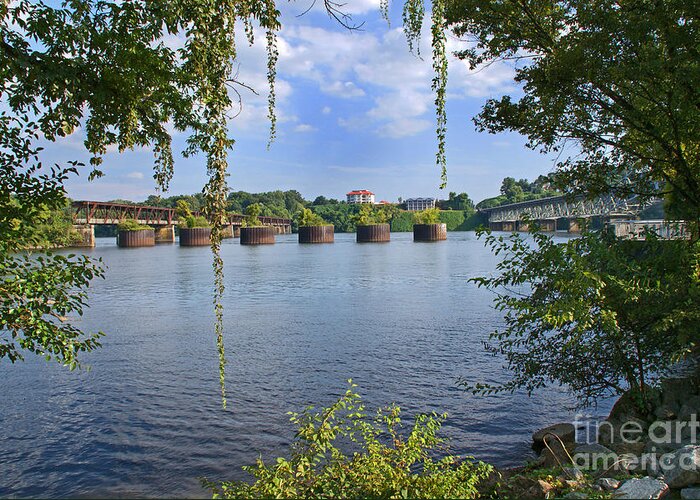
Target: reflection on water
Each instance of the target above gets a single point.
(399, 319)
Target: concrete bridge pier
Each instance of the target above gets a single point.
(228, 232)
(547, 225)
(522, 226)
(165, 234)
(87, 233)
(509, 225)
(496, 226)
(575, 225)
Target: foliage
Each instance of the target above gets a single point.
(427, 216)
(596, 314)
(54, 229)
(385, 463)
(187, 217)
(341, 215)
(612, 79)
(513, 191)
(37, 292)
(131, 225)
(305, 217)
(368, 215)
(456, 201)
(251, 215)
(402, 222)
(466, 220)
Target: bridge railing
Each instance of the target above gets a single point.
(99, 212)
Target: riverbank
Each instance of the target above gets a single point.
(634, 453)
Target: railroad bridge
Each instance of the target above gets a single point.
(560, 213)
(87, 214)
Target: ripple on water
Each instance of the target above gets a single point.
(400, 319)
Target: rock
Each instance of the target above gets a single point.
(683, 467)
(573, 473)
(690, 407)
(667, 411)
(576, 495)
(592, 448)
(564, 431)
(645, 488)
(608, 484)
(690, 494)
(593, 456)
(556, 455)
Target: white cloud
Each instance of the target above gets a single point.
(135, 175)
(342, 89)
(304, 127)
(380, 67)
(326, 110)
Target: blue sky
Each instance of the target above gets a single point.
(355, 111)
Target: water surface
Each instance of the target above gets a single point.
(400, 319)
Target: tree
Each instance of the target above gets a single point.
(104, 66)
(596, 314)
(620, 79)
(38, 294)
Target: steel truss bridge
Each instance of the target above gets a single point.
(99, 213)
(558, 207)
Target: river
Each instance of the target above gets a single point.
(399, 318)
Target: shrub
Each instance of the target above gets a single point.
(186, 217)
(427, 216)
(131, 225)
(368, 216)
(306, 217)
(251, 215)
(402, 222)
(385, 464)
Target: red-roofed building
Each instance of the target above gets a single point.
(360, 196)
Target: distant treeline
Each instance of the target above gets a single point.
(458, 211)
(513, 191)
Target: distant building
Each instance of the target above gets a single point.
(360, 196)
(384, 202)
(420, 203)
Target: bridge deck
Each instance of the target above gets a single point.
(99, 212)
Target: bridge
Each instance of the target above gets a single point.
(87, 214)
(560, 213)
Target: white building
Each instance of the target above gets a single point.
(360, 196)
(420, 203)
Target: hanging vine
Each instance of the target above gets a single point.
(126, 87)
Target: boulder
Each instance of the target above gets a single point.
(556, 455)
(573, 473)
(690, 407)
(644, 488)
(576, 495)
(593, 456)
(608, 484)
(690, 494)
(564, 431)
(683, 467)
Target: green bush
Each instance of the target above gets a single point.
(131, 225)
(251, 215)
(385, 463)
(369, 216)
(305, 217)
(427, 216)
(402, 222)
